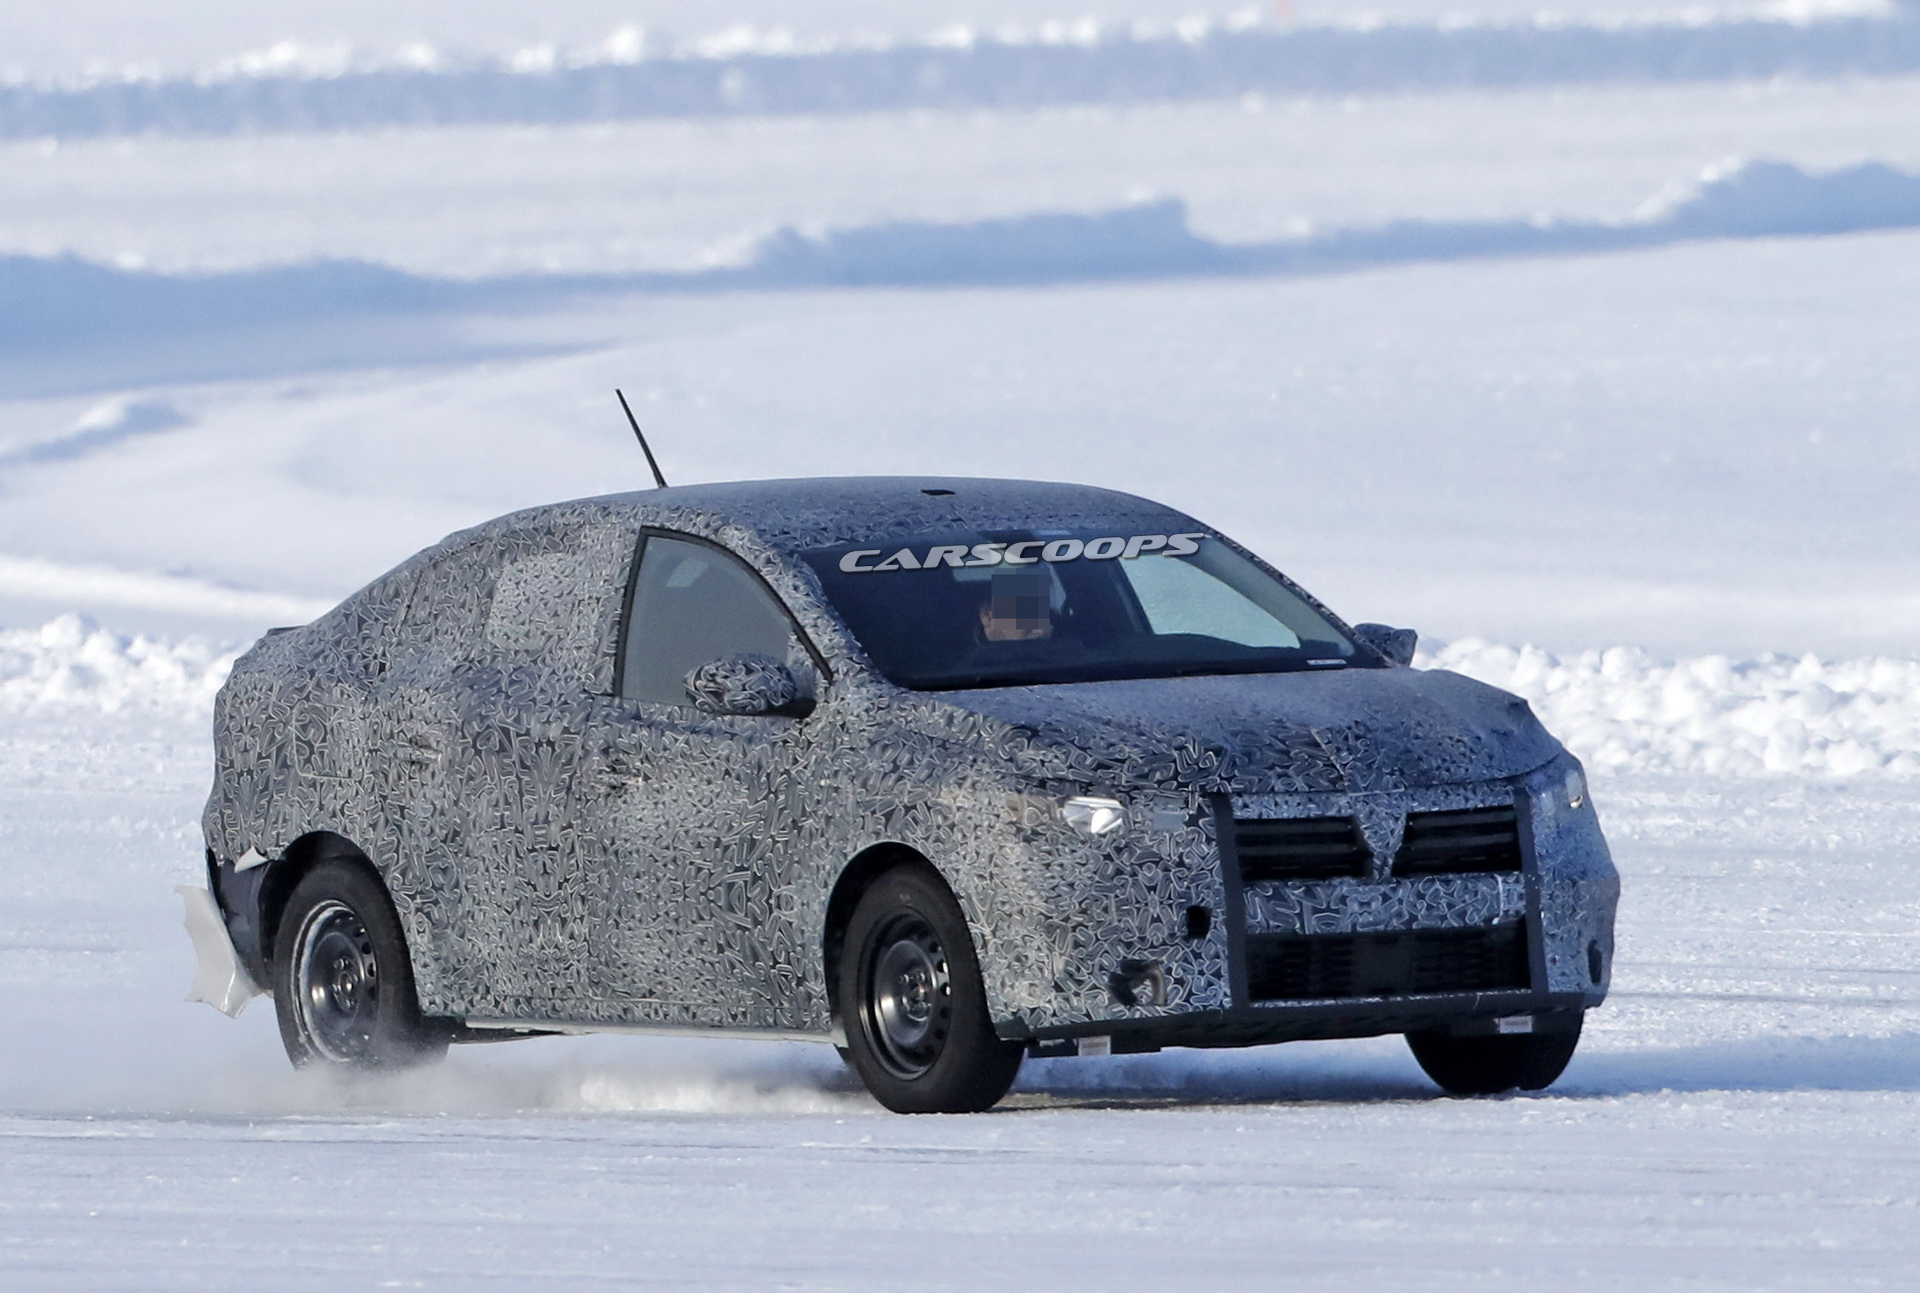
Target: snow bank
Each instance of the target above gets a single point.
(1758, 199)
(1149, 238)
(48, 298)
(1741, 199)
(287, 88)
(71, 663)
(1624, 710)
(61, 295)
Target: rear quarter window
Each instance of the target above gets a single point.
(555, 600)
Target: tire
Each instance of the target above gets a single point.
(342, 981)
(1493, 1065)
(912, 1004)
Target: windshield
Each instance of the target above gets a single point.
(1045, 606)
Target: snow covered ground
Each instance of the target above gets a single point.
(1742, 1114)
(1684, 472)
(1700, 446)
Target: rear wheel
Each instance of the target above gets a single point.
(1492, 1065)
(912, 1003)
(342, 981)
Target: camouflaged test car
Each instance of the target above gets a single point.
(947, 772)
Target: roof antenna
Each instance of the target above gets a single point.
(639, 435)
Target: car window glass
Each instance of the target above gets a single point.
(543, 604)
(1022, 608)
(554, 601)
(1182, 597)
(693, 604)
(444, 606)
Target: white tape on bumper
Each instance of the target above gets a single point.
(221, 980)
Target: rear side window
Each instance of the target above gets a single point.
(692, 604)
(555, 601)
(544, 604)
(444, 606)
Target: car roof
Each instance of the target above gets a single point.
(820, 512)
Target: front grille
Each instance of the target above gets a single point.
(1397, 963)
(1299, 848)
(1459, 841)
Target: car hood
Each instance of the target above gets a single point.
(1354, 730)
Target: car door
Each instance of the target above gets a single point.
(509, 645)
(698, 811)
(541, 661)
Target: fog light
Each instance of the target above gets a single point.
(1092, 815)
(1139, 983)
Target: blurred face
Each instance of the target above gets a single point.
(1017, 611)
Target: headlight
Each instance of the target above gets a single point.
(1575, 787)
(1093, 815)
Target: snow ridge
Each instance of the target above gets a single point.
(1623, 710)
(47, 298)
(288, 89)
(71, 663)
(1740, 199)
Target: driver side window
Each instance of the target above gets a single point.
(693, 604)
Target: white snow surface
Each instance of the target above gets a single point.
(1741, 1115)
(1702, 447)
(60, 297)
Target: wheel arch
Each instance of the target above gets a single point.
(854, 880)
(285, 873)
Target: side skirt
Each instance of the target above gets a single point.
(512, 1028)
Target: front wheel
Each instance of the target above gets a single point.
(342, 982)
(913, 1005)
(1493, 1065)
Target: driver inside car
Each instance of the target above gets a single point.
(1018, 610)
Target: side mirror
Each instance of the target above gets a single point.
(744, 684)
(1395, 644)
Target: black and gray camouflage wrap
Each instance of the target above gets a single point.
(559, 855)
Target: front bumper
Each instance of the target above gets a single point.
(1458, 1014)
(1455, 951)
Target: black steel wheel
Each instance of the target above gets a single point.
(911, 1001)
(1493, 1065)
(342, 982)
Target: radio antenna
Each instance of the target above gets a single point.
(641, 436)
